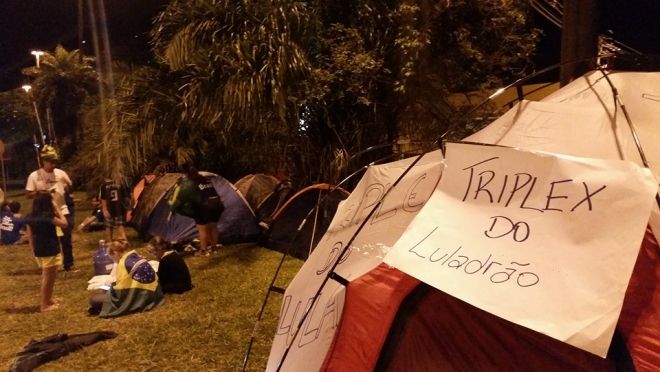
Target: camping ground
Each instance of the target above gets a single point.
(206, 329)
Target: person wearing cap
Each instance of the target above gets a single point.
(55, 181)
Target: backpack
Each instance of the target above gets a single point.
(181, 202)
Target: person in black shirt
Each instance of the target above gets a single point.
(173, 273)
(95, 221)
(112, 196)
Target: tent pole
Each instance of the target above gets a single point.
(618, 102)
(523, 79)
(316, 220)
(271, 288)
(331, 272)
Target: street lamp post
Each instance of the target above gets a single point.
(37, 54)
(2, 165)
(27, 88)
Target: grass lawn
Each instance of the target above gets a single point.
(206, 329)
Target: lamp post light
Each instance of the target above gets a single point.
(28, 88)
(37, 54)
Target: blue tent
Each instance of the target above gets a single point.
(237, 223)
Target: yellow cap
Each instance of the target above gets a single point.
(48, 152)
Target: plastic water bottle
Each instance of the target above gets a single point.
(102, 261)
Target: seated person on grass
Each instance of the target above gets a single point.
(12, 226)
(136, 288)
(95, 221)
(173, 272)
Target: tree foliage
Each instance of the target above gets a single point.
(17, 130)
(257, 86)
(241, 67)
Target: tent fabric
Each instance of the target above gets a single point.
(256, 187)
(585, 108)
(437, 332)
(289, 217)
(139, 187)
(154, 218)
(639, 321)
(152, 193)
(481, 341)
(266, 210)
(137, 191)
(368, 317)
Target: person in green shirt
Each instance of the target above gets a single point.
(196, 197)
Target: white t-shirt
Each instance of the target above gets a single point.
(57, 181)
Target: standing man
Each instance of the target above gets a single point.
(112, 195)
(53, 180)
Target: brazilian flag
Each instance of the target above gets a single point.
(136, 289)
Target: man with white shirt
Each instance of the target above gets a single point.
(50, 179)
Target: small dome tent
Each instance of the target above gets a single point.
(151, 194)
(321, 200)
(256, 187)
(265, 194)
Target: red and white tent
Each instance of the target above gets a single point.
(377, 317)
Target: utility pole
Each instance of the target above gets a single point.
(81, 30)
(579, 38)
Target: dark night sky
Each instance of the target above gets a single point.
(42, 24)
(27, 25)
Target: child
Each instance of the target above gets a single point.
(173, 272)
(136, 287)
(12, 224)
(44, 242)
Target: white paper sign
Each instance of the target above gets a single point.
(543, 241)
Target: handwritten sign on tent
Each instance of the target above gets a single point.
(307, 351)
(543, 241)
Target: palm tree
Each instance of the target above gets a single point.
(241, 65)
(242, 58)
(62, 83)
(139, 129)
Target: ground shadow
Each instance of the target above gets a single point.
(25, 271)
(22, 309)
(246, 252)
